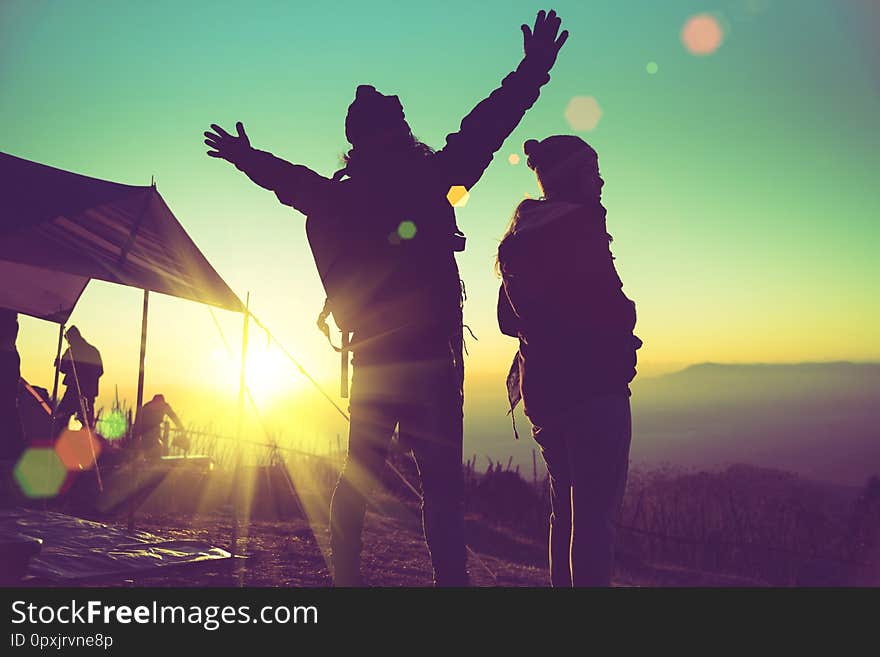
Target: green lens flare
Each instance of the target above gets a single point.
(113, 426)
(406, 230)
(40, 473)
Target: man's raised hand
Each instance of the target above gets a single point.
(541, 43)
(227, 147)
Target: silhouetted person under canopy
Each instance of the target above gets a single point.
(82, 368)
(393, 280)
(148, 427)
(12, 441)
(562, 297)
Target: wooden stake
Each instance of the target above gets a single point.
(140, 386)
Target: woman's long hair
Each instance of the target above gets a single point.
(512, 227)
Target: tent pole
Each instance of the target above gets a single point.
(236, 477)
(57, 367)
(241, 374)
(140, 386)
(52, 419)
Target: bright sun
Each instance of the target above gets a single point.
(270, 376)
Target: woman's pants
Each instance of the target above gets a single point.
(586, 450)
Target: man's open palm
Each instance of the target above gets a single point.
(540, 42)
(226, 146)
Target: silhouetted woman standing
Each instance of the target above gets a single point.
(562, 297)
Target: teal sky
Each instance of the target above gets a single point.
(740, 185)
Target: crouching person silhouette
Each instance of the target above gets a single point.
(384, 236)
(562, 297)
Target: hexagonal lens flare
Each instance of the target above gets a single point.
(458, 196)
(40, 473)
(583, 113)
(78, 450)
(113, 425)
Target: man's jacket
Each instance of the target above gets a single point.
(87, 365)
(399, 226)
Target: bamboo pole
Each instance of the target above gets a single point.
(143, 355)
(57, 366)
(236, 476)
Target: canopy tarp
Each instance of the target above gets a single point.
(60, 229)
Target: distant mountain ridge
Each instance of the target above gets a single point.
(708, 379)
(821, 420)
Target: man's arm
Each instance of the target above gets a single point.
(64, 365)
(173, 416)
(293, 184)
(482, 133)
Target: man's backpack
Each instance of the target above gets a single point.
(352, 261)
(336, 258)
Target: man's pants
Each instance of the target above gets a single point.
(586, 450)
(70, 405)
(150, 444)
(425, 398)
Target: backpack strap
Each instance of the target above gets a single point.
(343, 372)
(324, 326)
(343, 351)
(513, 391)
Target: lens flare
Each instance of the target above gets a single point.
(113, 425)
(458, 196)
(652, 68)
(702, 34)
(40, 473)
(78, 450)
(583, 113)
(513, 158)
(406, 230)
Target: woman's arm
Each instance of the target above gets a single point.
(469, 151)
(293, 184)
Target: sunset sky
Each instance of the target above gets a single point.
(740, 184)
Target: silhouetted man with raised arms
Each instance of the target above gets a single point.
(392, 279)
